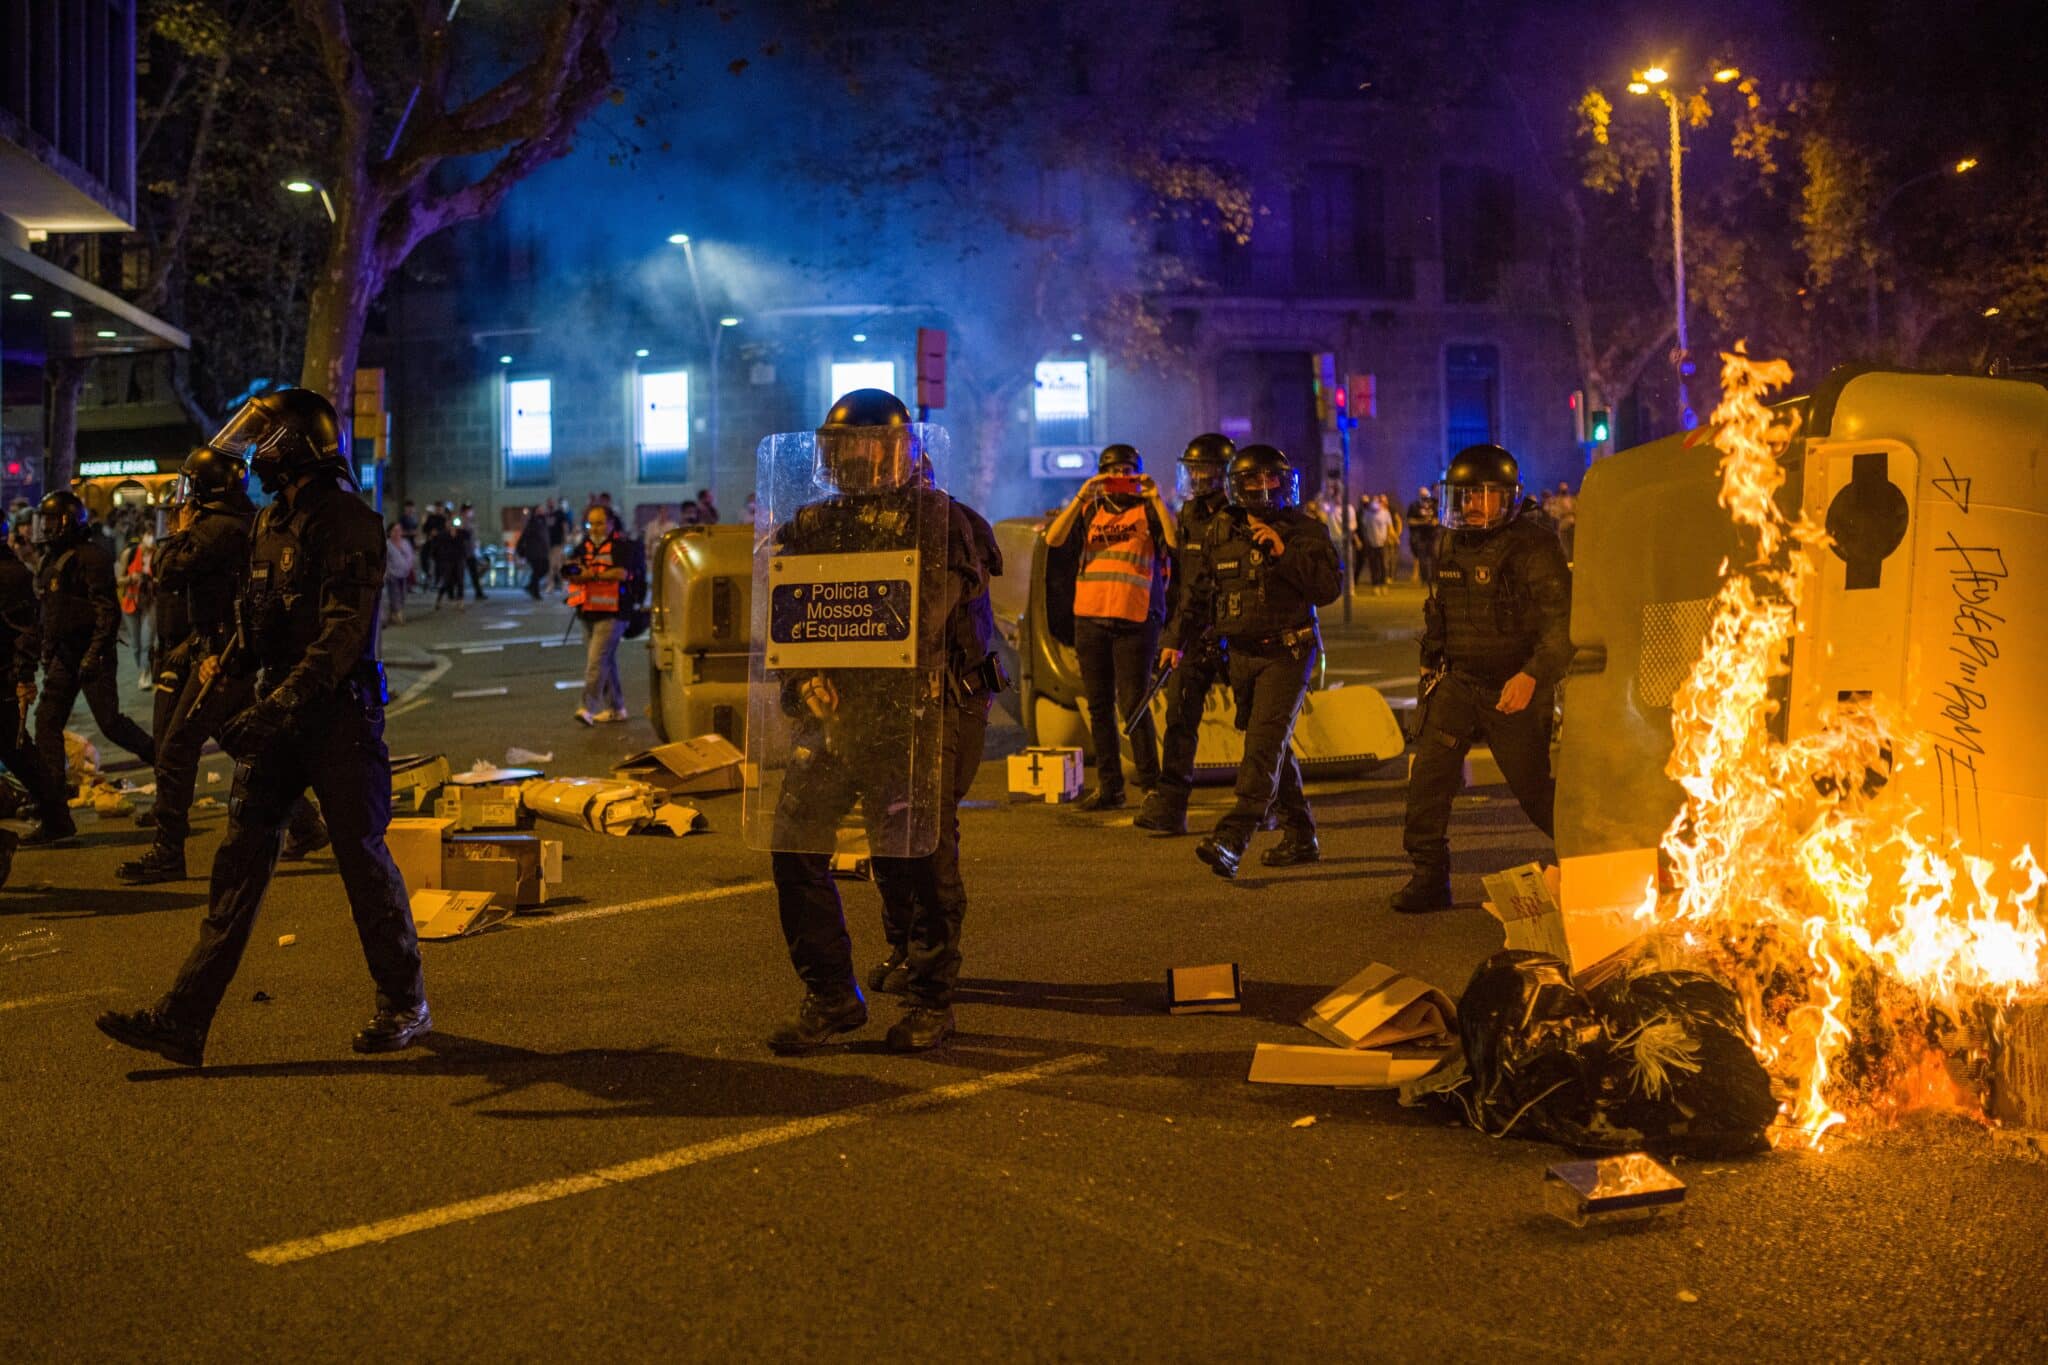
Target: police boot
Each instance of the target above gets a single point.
(891, 976)
(1428, 890)
(1221, 857)
(1293, 850)
(1164, 813)
(9, 841)
(163, 863)
(146, 817)
(1100, 798)
(393, 1030)
(52, 831)
(923, 1027)
(817, 1019)
(151, 1030)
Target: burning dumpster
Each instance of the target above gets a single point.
(1794, 741)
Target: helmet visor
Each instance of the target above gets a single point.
(865, 459)
(1265, 487)
(244, 432)
(1476, 506)
(1199, 479)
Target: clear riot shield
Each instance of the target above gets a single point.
(845, 702)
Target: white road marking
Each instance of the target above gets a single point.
(675, 1159)
(468, 693)
(61, 998)
(711, 893)
(564, 684)
(416, 694)
(483, 649)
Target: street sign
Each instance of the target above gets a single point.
(931, 367)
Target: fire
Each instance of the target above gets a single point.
(1852, 931)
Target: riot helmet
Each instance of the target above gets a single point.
(1204, 463)
(1120, 459)
(1480, 489)
(1262, 477)
(211, 477)
(865, 445)
(284, 434)
(60, 517)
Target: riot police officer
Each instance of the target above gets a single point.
(974, 676)
(1496, 640)
(1189, 644)
(1265, 567)
(199, 570)
(21, 648)
(851, 734)
(81, 620)
(307, 633)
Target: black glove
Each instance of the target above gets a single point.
(91, 665)
(255, 728)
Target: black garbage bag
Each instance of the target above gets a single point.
(1651, 1062)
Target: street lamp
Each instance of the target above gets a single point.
(304, 186)
(1657, 79)
(1962, 166)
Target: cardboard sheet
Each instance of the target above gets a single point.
(708, 763)
(453, 914)
(1354, 1068)
(1591, 938)
(1380, 1007)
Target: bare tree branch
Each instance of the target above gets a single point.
(344, 67)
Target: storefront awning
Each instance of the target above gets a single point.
(99, 323)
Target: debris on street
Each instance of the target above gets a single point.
(1053, 774)
(441, 914)
(1215, 989)
(1350, 1068)
(1615, 1189)
(1380, 1007)
(612, 806)
(708, 763)
(29, 943)
(1305, 1121)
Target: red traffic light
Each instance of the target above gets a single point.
(1343, 399)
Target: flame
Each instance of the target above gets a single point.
(1798, 872)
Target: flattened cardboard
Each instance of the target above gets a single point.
(415, 844)
(708, 763)
(677, 819)
(1353, 1068)
(1380, 1007)
(1217, 988)
(452, 914)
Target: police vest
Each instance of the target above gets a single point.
(1119, 562)
(595, 594)
(1488, 626)
(1249, 602)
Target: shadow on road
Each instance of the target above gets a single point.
(61, 903)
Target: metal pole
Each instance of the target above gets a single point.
(1344, 513)
(1685, 414)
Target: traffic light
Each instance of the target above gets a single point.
(1598, 428)
(1577, 403)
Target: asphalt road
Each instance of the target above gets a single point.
(594, 1156)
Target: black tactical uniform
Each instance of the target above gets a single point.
(307, 635)
(931, 886)
(20, 648)
(199, 573)
(1264, 606)
(838, 766)
(1203, 662)
(1500, 607)
(81, 618)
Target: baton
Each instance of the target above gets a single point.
(1144, 707)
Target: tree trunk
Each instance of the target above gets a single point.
(349, 283)
(67, 381)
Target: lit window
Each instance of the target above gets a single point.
(863, 374)
(1059, 404)
(663, 416)
(529, 431)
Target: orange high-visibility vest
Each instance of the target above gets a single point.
(595, 594)
(1118, 561)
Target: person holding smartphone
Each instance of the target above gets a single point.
(1119, 606)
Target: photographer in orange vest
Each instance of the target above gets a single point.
(1119, 606)
(606, 579)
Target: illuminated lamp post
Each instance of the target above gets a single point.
(305, 186)
(1958, 168)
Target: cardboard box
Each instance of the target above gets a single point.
(482, 807)
(414, 778)
(1380, 1007)
(708, 763)
(415, 844)
(512, 868)
(1215, 989)
(1359, 1068)
(1593, 941)
(451, 914)
(1054, 774)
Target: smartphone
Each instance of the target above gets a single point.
(1120, 485)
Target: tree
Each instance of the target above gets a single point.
(403, 162)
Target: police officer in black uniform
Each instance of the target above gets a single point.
(81, 616)
(1496, 640)
(867, 443)
(307, 632)
(199, 568)
(973, 677)
(1189, 644)
(21, 647)
(1266, 566)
